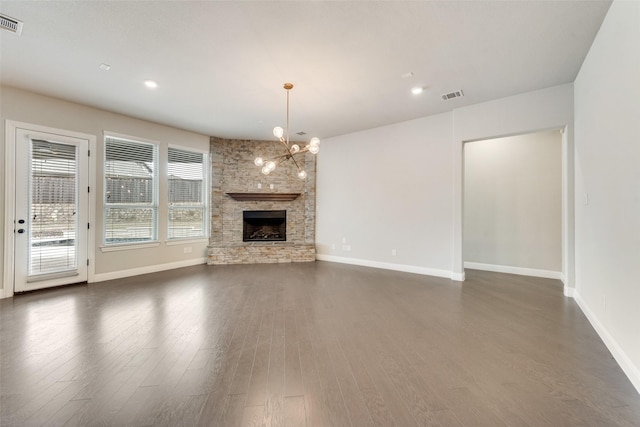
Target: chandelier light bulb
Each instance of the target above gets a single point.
(278, 132)
(270, 165)
(258, 161)
(314, 141)
(265, 170)
(302, 174)
(294, 148)
(313, 149)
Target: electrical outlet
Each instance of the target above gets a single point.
(344, 240)
(393, 252)
(259, 185)
(348, 248)
(271, 186)
(333, 246)
(187, 249)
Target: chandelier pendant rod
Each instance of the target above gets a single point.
(288, 90)
(288, 144)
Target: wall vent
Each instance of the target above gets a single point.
(454, 94)
(10, 24)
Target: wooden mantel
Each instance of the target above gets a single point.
(270, 197)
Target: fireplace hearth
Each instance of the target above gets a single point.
(264, 226)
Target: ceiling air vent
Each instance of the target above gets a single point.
(8, 23)
(301, 133)
(451, 95)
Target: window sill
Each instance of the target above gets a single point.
(174, 242)
(129, 246)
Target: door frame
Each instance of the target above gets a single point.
(559, 275)
(11, 128)
(568, 208)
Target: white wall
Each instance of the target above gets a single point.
(513, 204)
(607, 123)
(388, 188)
(545, 109)
(22, 106)
(400, 186)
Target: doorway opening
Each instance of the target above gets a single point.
(513, 204)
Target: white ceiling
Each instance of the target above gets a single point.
(220, 65)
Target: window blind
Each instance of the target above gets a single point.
(130, 191)
(53, 222)
(187, 194)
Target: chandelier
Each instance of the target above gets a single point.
(291, 150)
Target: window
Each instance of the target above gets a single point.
(187, 194)
(130, 191)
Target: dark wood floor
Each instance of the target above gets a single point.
(316, 344)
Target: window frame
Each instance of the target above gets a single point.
(204, 206)
(153, 205)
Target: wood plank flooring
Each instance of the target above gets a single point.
(312, 344)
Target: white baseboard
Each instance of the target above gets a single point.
(458, 277)
(548, 274)
(569, 292)
(628, 367)
(389, 266)
(101, 277)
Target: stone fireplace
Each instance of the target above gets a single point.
(257, 218)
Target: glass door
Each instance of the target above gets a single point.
(51, 210)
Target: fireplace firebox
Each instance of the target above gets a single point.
(264, 226)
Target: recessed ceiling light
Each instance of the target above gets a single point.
(416, 90)
(150, 84)
(104, 67)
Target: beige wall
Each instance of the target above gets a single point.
(22, 106)
(513, 202)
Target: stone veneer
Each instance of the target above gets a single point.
(233, 171)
